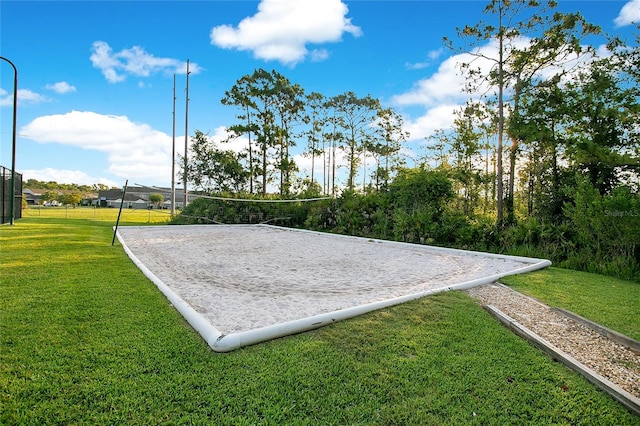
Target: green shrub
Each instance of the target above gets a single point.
(599, 233)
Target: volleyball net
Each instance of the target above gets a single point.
(203, 209)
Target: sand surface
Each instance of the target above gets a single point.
(243, 277)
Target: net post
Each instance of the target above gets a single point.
(115, 229)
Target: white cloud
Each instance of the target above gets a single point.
(61, 87)
(442, 93)
(115, 66)
(629, 14)
(432, 55)
(319, 55)
(416, 65)
(445, 84)
(25, 96)
(135, 151)
(237, 145)
(28, 96)
(435, 54)
(6, 98)
(437, 117)
(67, 176)
(281, 29)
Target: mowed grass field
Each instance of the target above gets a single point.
(85, 338)
(135, 216)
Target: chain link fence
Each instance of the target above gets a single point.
(6, 195)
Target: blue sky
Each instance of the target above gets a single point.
(96, 78)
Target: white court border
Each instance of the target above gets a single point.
(221, 342)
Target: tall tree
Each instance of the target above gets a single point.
(332, 136)
(262, 91)
(387, 146)
(271, 106)
(466, 152)
(605, 124)
(588, 125)
(538, 124)
(355, 117)
(211, 169)
(437, 150)
(289, 104)
(240, 96)
(316, 119)
(530, 37)
(554, 53)
(473, 37)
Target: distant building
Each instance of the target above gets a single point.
(31, 196)
(137, 197)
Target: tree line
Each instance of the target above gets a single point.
(63, 193)
(543, 159)
(276, 115)
(53, 185)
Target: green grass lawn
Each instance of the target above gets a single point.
(134, 216)
(85, 338)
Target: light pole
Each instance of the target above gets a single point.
(186, 141)
(12, 200)
(173, 154)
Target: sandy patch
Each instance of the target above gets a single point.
(243, 277)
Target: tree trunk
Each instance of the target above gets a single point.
(333, 172)
(499, 189)
(513, 154)
(264, 169)
(250, 153)
(313, 159)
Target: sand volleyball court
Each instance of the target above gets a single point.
(242, 284)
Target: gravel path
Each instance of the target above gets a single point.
(604, 356)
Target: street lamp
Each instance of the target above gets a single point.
(12, 200)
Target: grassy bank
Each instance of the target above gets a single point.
(608, 301)
(85, 338)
